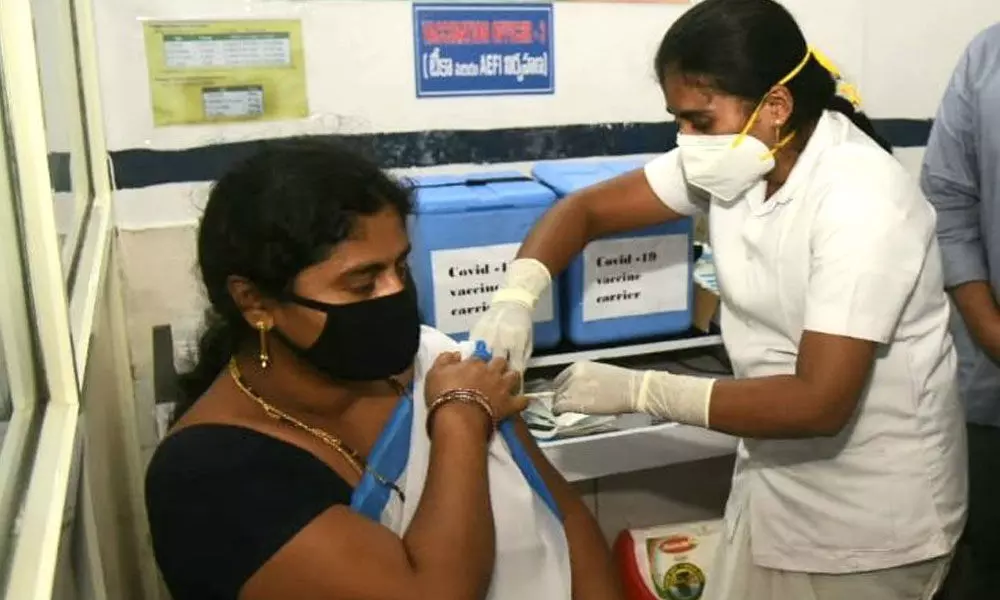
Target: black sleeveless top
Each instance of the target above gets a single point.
(222, 500)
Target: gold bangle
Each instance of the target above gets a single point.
(466, 396)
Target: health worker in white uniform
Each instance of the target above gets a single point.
(850, 480)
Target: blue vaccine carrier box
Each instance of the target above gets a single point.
(464, 231)
(628, 286)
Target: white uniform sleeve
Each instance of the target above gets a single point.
(869, 240)
(666, 176)
(433, 343)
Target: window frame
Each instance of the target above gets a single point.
(83, 189)
(94, 250)
(63, 319)
(19, 355)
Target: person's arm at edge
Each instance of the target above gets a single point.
(630, 201)
(978, 306)
(949, 179)
(593, 573)
(447, 552)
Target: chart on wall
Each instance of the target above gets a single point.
(225, 71)
(483, 49)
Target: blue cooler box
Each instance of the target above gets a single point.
(464, 231)
(628, 286)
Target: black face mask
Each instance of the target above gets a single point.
(364, 341)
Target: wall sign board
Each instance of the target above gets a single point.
(483, 49)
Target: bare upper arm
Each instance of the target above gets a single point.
(340, 555)
(624, 203)
(655, 194)
(594, 577)
(836, 369)
(869, 242)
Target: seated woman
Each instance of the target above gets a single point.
(332, 447)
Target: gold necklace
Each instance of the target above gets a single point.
(353, 458)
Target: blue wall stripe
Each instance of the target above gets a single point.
(139, 168)
(904, 133)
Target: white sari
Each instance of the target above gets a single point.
(532, 556)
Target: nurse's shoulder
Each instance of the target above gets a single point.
(858, 183)
(868, 216)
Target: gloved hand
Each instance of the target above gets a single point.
(600, 389)
(507, 325)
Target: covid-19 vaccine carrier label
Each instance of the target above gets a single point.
(465, 280)
(628, 277)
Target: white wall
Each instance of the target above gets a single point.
(360, 80)
(360, 74)
(603, 71)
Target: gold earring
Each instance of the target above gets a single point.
(777, 132)
(264, 356)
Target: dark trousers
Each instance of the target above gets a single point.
(975, 572)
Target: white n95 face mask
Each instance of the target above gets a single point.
(725, 166)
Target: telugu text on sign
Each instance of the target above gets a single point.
(479, 50)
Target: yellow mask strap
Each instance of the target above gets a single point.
(850, 92)
(781, 144)
(760, 105)
(823, 61)
(847, 90)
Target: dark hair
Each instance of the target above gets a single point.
(268, 218)
(744, 48)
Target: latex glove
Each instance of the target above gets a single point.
(507, 326)
(600, 389)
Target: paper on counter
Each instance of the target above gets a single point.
(545, 425)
